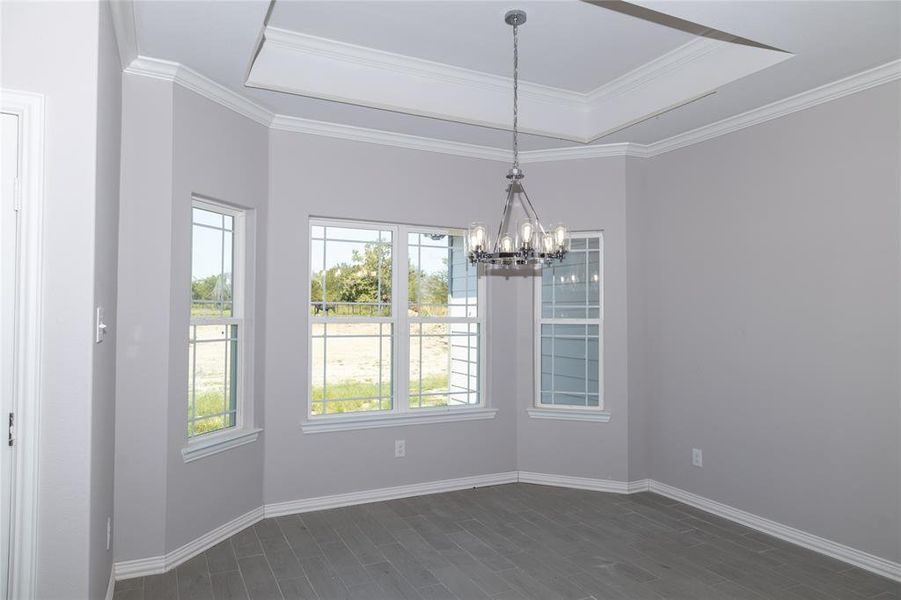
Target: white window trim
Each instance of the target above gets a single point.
(243, 432)
(400, 413)
(558, 412)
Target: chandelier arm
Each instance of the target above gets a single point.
(500, 227)
(534, 212)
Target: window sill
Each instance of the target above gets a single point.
(349, 423)
(215, 444)
(596, 416)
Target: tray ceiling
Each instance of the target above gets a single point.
(593, 70)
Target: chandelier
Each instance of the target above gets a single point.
(522, 242)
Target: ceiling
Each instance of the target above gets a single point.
(382, 65)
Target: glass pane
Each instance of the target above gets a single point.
(351, 367)
(350, 273)
(212, 377)
(570, 365)
(572, 289)
(444, 364)
(212, 258)
(441, 280)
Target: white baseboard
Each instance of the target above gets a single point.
(852, 556)
(389, 493)
(161, 564)
(584, 483)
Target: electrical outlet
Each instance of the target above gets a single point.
(697, 459)
(400, 448)
(109, 532)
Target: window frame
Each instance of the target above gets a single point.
(538, 409)
(243, 431)
(401, 412)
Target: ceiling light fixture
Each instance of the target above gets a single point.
(526, 242)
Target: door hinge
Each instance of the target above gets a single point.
(12, 429)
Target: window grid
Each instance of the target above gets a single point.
(558, 317)
(214, 373)
(402, 314)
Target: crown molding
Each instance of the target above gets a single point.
(206, 87)
(419, 67)
(859, 82)
(578, 152)
(308, 65)
(190, 79)
(388, 138)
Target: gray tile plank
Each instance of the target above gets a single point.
(258, 578)
(298, 588)
(228, 585)
(161, 587)
(221, 557)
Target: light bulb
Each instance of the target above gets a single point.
(526, 232)
(506, 243)
(547, 243)
(476, 237)
(560, 235)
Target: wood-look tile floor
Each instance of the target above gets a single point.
(508, 542)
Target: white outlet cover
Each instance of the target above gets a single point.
(400, 448)
(697, 457)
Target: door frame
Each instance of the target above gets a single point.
(29, 108)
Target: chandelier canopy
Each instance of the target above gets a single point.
(521, 238)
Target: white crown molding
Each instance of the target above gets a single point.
(847, 554)
(388, 138)
(859, 82)
(329, 69)
(170, 71)
(419, 67)
(160, 564)
(206, 87)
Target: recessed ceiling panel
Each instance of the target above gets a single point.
(338, 70)
(565, 43)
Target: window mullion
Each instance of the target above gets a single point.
(400, 276)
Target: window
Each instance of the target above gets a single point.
(215, 345)
(570, 332)
(395, 320)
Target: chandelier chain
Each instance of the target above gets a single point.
(515, 96)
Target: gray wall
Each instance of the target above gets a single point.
(772, 265)
(176, 144)
(589, 195)
(77, 75)
(333, 178)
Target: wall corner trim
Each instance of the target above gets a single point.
(160, 564)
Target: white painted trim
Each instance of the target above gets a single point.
(29, 108)
(160, 564)
(388, 138)
(421, 416)
(200, 84)
(859, 82)
(389, 493)
(579, 483)
(215, 443)
(569, 414)
(167, 70)
(859, 558)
